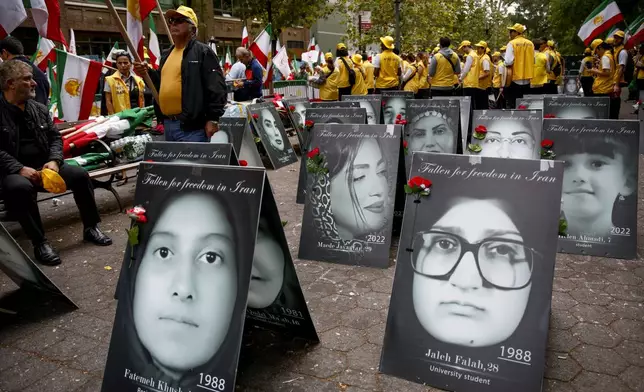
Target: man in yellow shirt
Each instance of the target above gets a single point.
(369, 77)
(586, 78)
(498, 80)
(444, 67)
(191, 84)
(388, 66)
(470, 73)
(519, 62)
(359, 87)
(342, 66)
(541, 68)
(605, 71)
(485, 76)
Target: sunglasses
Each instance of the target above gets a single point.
(172, 21)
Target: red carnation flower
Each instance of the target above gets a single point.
(547, 143)
(481, 129)
(313, 153)
(549, 116)
(149, 160)
(291, 108)
(522, 107)
(419, 182)
(243, 162)
(255, 116)
(308, 123)
(405, 143)
(399, 116)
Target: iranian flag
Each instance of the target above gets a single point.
(312, 43)
(245, 37)
(77, 82)
(108, 61)
(46, 14)
(12, 14)
(261, 49)
(605, 16)
(228, 63)
(636, 32)
(45, 52)
(154, 49)
(137, 11)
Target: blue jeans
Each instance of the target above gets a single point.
(174, 133)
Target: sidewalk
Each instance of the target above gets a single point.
(596, 340)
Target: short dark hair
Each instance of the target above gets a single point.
(444, 42)
(13, 46)
(396, 51)
(537, 42)
(121, 53)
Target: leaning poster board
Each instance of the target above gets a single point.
(180, 313)
(394, 103)
(576, 107)
(371, 103)
(296, 108)
(571, 87)
(509, 134)
(270, 130)
(529, 103)
(432, 126)
(319, 116)
(237, 131)
(19, 267)
(471, 295)
(334, 104)
(466, 114)
(599, 198)
(348, 213)
(193, 153)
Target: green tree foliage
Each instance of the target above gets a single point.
(285, 13)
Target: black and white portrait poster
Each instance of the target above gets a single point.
(296, 108)
(231, 130)
(371, 103)
(349, 209)
(192, 153)
(321, 116)
(275, 298)
(510, 133)
(571, 87)
(334, 104)
(180, 313)
(599, 199)
(575, 107)
(529, 103)
(470, 304)
(270, 130)
(393, 104)
(466, 114)
(22, 270)
(640, 116)
(432, 126)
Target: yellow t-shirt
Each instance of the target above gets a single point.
(369, 74)
(471, 80)
(170, 92)
(389, 65)
(540, 74)
(359, 87)
(423, 71)
(523, 66)
(343, 72)
(329, 89)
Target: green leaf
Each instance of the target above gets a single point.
(563, 227)
(478, 135)
(133, 235)
(284, 223)
(408, 189)
(474, 148)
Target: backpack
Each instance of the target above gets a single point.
(352, 73)
(629, 69)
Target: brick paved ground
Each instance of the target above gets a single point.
(596, 340)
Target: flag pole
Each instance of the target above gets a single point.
(165, 23)
(130, 45)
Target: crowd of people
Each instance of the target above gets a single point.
(492, 78)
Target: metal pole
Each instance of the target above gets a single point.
(130, 45)
(397, 12)
(359, 31)
(273, 42)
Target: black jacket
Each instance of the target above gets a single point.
(36, 118)
(42, 83)
(203, 86)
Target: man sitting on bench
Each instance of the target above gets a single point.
(29, 142)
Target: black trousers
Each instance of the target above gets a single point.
(482, 101)
(550, 87)
(370, 91)
(380, 90)
(20, 199)
(442, 93)
(587, 85)
(538, 90)
(500, 98)
(614, 105)
(516, 91)
(423, 93)
(343, 91)
(471, 92)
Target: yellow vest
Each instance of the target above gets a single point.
(368, 72)
(523, 66)
(639, 73)
(329, 89)
(555, 61)
(497, 79)
(616, 51)
(414, 82)
(423, 71)
(472, 78)
(343, 78)
(388, 75)
(360, 87)
(586, 71)
(539, 77)
(487, 81)
(444, 75)
(121, 92)
(604, 84)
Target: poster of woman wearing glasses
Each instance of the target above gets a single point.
(508, 134)
(471, 295)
